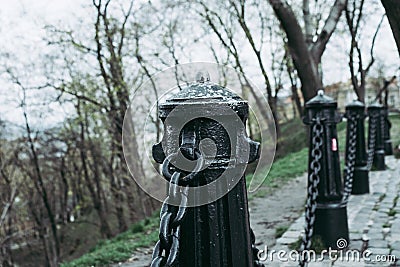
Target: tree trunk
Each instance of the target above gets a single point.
(41, 230)
(95, 196)
(296, 99)
(273, 103)
(392, 8)
(361, 91)
(307, 57)
(41, 188)
(302, 58)
(118, 198)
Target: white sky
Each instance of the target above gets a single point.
(21, 31)
(22, 22)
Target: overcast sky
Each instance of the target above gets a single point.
(22, 22)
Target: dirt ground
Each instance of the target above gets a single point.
(278, 208)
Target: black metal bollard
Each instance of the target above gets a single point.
(355, 113)
(386, 137)
(376, 124)
(325, 182)
(216, 233)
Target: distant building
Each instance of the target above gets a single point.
(344, 93)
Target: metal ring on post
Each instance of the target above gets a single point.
(183, 181)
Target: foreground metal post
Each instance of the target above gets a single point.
(325, 183)
(376, 120)
(386, 137)
(355, 113)
(216, 233)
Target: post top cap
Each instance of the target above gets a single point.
(204, 91)
(355, 104)
(321, 100)
(375, 105)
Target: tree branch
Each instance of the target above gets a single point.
(249, 37)
(307, 21)
(318, 47)
(122, 29)
(373, 44)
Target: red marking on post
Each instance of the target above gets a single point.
(334, 144)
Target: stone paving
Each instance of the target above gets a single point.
(374, 224)
(374, 221)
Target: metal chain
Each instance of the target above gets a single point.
(166, 251)
(372, 140)
(167, 248)
(312, 190)
(350, 157)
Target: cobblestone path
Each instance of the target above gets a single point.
(374, 221)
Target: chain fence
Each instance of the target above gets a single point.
(312, 190)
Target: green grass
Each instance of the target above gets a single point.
(395, 130)
(292, 152)
(290, 161)
(280, 231)
(293, 138)
(294, 163)
(395, 134)
(392, 212)
(288, 167)
(282, 170)
(121, 247)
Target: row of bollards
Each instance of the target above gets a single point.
(199, 233)
(328, 193)
(326, 212)
(355, 114)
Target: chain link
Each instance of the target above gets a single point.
(166, 251)
(350, 157)
(372, 140)
(312, 190)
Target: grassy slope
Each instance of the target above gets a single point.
(145, 233)
(120, 248)
(395, 131)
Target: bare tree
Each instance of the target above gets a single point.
(307, 49)
(116, 41)
(229, 22)
(35, 173)
(297, 105)
(9, 191)
(358, 69)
